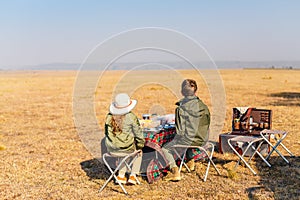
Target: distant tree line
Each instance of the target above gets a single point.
(283, 67)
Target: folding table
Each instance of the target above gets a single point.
(252, 142)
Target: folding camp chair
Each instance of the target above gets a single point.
(204, 149)
(278, 136)
(252, 144)
(126, 159)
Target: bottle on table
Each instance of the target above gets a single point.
(250, 124)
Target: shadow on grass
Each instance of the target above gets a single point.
(94, 169)
(286, 99)
(282, 180)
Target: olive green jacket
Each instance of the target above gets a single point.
(131, 137)
(192, 119)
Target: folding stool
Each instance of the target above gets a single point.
(250, 141)
(278, 136)
(204, 149)
(124, 159)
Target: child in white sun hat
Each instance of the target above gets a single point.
(124, 134)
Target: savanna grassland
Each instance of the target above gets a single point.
(43, 157)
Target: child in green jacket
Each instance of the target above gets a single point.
(124, 134)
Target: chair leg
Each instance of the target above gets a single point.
(131, 156)
(291, 154)
(183, 163)
(210, 161)
(259, 154)
(210, 158)
(182, 160)
(208, 165)
(274, 148)
(280, 143)
(113, 174)
(241, 157)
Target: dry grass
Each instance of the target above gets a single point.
(45, 158)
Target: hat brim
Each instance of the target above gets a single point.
(121, 111)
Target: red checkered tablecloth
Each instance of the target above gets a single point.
(159, 136)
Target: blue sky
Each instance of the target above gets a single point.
(36, 32)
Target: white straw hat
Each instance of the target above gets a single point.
(122, 105)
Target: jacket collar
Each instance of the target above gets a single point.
(186, 99)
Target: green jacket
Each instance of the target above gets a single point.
(131, 137)
(192, 119)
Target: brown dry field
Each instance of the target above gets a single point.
(42, 156)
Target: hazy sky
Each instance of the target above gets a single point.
(37, 32)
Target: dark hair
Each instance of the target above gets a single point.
(188, 87)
